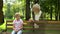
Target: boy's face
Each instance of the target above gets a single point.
(17, 17)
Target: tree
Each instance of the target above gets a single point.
(1, 12)
(8, 13)
(59, 8)
(50, 7)
(28, 13)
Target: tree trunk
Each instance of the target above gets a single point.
(56, 11)
(59, 8)
(51, 13)
(36, 1)
(28, 13)
(1, 12)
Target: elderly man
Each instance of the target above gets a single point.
(37, 11)
(37, 15)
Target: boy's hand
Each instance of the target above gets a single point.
(13, 28)
(16, 30)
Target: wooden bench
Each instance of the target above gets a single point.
(44, 25)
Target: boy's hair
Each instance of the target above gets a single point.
(16, 14)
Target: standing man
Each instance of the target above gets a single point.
(37, 15)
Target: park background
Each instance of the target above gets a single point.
(50, 9)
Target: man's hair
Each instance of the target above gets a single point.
(36, 6)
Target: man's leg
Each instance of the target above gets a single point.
(19, 32)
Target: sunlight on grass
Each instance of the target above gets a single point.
(3, 26)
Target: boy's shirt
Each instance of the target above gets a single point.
(18, 24)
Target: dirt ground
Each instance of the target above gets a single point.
(5, 33)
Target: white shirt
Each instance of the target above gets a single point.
(37, 16)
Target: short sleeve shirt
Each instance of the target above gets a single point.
(18, 24)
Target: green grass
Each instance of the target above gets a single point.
(3, 26)
(46, 31)
(52, 32)
(9, 30)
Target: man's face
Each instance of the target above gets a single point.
(36, 9)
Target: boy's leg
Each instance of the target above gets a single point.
(13, 32)
(19, 32)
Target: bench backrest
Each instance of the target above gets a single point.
(48, 25)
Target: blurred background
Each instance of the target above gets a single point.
(24, 7)
(50, 8)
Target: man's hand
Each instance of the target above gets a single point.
(36, 20)
(31, 20)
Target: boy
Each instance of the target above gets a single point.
(17, 24)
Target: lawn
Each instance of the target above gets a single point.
(46, 31)
(3, 26)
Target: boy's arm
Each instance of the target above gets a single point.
(21, 26)
(14, 28)
(13, 25)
